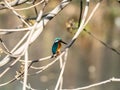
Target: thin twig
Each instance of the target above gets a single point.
(61, 65)
(102, 42)
(19, 16)
(4, 47)
(15, 30)
(96, 84)
(81, 25)
(81, 9)
(48, 65)
(25, 70)
(28, 86)
(12, 3)
(62, 70)
(32, 6)
(8, 68)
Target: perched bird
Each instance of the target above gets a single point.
(57, 46)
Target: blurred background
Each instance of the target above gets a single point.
(89, 61)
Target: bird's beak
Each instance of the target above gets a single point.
(63, 42)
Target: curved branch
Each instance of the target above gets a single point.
(12, 3)
(97, 84)
(81, 25)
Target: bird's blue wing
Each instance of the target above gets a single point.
(54, 48)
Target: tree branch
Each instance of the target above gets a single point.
(12, 3)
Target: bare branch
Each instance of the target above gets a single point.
(62, 70)
(81, 25)
(96, 84)
(12, 3)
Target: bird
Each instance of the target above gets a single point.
(57, 46)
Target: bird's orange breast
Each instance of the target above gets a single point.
(59, 47)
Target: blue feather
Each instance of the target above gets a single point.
(54, 47)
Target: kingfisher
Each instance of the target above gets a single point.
(57, 46)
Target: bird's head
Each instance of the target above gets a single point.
(59, 40)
